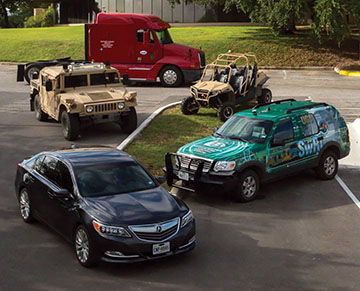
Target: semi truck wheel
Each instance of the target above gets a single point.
(128, 122)
(70, 125)
(40, 115)
(189, 106)
(30, 70)
(265, 97)
(225, 111)
(171, 76)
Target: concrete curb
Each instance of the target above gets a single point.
(346, 73)
(143, 125)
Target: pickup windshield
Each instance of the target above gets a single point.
(245, 129)
(163, 36)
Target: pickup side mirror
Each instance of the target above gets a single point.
(216, 129)
(160, 179)
(125, 79)
(276, 141)
(48, 86)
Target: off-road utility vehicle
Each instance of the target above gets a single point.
(231, 80)
(78, 95)
(266, 143)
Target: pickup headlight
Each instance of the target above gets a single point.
(187, 218)
(110, 230)
(121, 105)
(224, 166)
(89, 109)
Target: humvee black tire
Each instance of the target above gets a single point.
(225, 111)
(265, 97)
(248, 186)
(189, 106)
(30, 70)
(128, 122)
(328, 166)
(70, 125)
(171, 76)
(40, 115)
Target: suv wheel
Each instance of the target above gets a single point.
(70, 125)
(265, 97)
(225, 111)
(189, 106)
(328, 166)
(40, 115)
(25, 206)
(248, 186)
(128, 122)
(171, 76)
(84, 250)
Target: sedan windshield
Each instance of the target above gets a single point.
(245, 129)
(112, 178)
(163, 36)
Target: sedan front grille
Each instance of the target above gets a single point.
(194, 163)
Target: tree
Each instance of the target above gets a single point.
(11, 6)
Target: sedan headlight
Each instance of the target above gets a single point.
(121, 105)
(187, 218)
(224, 166)
(89, 109)
(110, 230)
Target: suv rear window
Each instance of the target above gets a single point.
(75, 81)
(308, 125)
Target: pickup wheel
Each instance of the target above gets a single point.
(70, 125)
(128, 122)
(30, 70)
(225, 111)
(171, 76)
(40, 115)
(189, 106)
(328, 166)
(248, 186)
(265, 97)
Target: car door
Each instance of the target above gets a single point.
(48, 97)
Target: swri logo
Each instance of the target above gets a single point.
(309, 147)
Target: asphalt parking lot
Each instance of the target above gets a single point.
(301, 234)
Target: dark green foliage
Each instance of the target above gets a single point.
(46, 20)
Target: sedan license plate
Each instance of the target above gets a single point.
(183, 176)
(161, 248)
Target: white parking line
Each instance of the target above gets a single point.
(348, 191)
(285, 74)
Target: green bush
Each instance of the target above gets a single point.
(45, 20)
(33, 21)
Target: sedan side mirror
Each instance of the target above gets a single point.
(160, 179)
(62, 194)
(48, 85)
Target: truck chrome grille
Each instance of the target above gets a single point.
(185, 161)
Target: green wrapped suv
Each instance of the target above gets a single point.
(261, 144)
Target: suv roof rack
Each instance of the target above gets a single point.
(306, 107)
(274, 102)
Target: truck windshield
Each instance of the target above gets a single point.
(104, 78)
(245, 129)
(163, 36)
(75, 81)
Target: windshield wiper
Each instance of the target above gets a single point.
(238, 138)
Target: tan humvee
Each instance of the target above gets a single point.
(232, 79)
(82, 94)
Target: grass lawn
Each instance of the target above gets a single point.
(30, 44)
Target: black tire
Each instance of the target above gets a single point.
(25, 206)
(128, 122)
(30, 70)
(248, 186)
(225, 111)
(328, 166)
(171, 76)
(265, 97)
(189, 106)
(70, 125)
(84, 248)
(40, 115)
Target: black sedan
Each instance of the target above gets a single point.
(105, 203)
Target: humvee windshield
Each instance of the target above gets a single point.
(163, 36)
(103, 79)
(75, 81)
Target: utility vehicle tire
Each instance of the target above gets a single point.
(25, 206)
(189, 106)
(171, 76)
(84, 249)
(265, 97)
(248, 186)
(31, 69)
(128, 122)
(70, 125)
(225, 111)
(328, 166)
(40, 115)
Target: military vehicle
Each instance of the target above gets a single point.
(231, 80)
(81, 94)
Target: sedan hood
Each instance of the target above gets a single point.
(144, 207)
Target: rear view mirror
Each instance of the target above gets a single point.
(48, 85)
(216, 129)
(160, 179)
(62, 194)
(35, 76)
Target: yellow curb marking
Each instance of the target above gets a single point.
(350, 74)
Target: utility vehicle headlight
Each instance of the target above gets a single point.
(121, 105)
(224, 166)
(110, 230)
(187, 218)
(89, 109)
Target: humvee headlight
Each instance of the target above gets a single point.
(89, 109)
(121, 105)
(224, 166)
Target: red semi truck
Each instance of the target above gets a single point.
(138, 45)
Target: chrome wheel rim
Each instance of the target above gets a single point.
(32, 71)
(24, 205)
(170, 77)
(82, 246)
(249, 186)
(329, 165)
(228, 112)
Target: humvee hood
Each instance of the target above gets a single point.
(211, 86)
(216, 148)
(92, 95)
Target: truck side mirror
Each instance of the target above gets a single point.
(48, 86)
(125, 79)
(146, 38)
